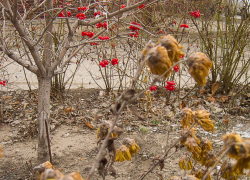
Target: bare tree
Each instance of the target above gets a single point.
(39, 56)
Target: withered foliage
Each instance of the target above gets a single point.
(130, 143)
(45, 172)
(199, 66)
(201, 117)
(126, 151)
(185, 163)
(103, 129)
(187, 118)
(227, 171)
(162, 55)
(123, 154)
(238, 149)
(203, 120)
(199, 147)
(158, 61)
(173, 47)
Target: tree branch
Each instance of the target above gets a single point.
(15, 10)
(20, 61)
(33, 9)
(26, 39)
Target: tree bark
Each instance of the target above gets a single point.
(44, 85)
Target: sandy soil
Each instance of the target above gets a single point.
(74, 145)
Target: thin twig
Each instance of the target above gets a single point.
(210, 170)
(164, 156)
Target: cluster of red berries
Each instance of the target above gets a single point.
(89, 34)
(3, 82)
(104, 63)
(123, 6)
(176, 68)
(97, 13)
(184, 25)
(63, 15)
(81, 16)
(82, 8)
(152, 88)
(196, 14)
(141, 6)
(170, 86)
(134, 29)
(94, 44)
(114, 61)
(134, 34)
(99, 25)
(181, 56)
(104, 37)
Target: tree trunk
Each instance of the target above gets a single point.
(44, 85)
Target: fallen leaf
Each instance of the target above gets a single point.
(25, 105)
(226, 121)
(214, 88)
(182, 105)
(7, 97)
(202, 91)
(224, 98)
(196, 104)
(211, 99)
(68, 110)
(89, 125)
(126, 122)
(15, 103)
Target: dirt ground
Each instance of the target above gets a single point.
(74, 145)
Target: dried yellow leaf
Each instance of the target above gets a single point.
(205, 145)
(192, 146)
(123, 154)
(187, 118)
(199, 66)
(203, 120)
(200, 173)
(227, 171)
(158, 61)
(185, 163)
(173, 48)
(103, 129)
(130, 143)
(241, 164)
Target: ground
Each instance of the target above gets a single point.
(74, 144)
